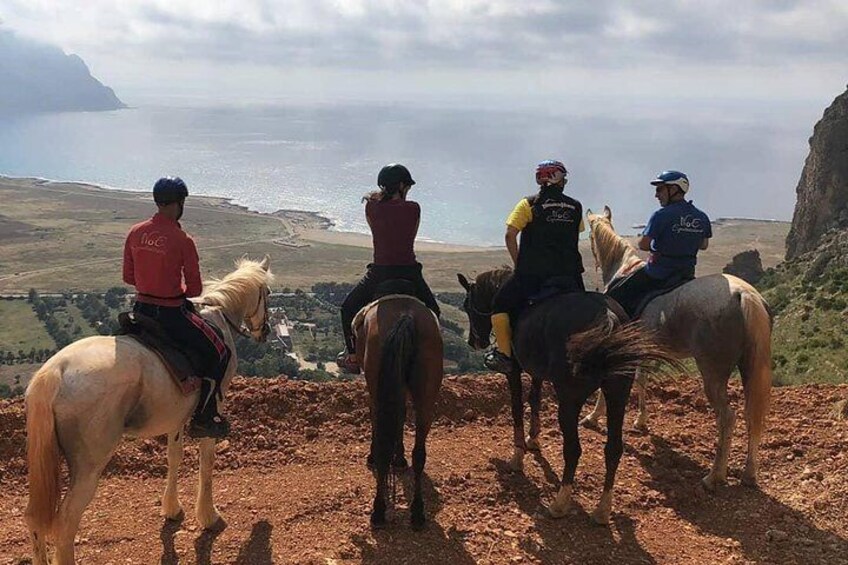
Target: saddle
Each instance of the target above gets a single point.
(359, 319)
(181, 364)
(667, 286)
(552, 287)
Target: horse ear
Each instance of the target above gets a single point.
(607, 213)
(266, 262)
(463, 281)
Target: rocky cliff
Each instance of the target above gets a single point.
(35, 77)
(823, 188)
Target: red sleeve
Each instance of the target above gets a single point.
(129, 265)
(417, 218)
(369, 210)
(191, 269)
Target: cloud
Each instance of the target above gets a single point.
(443, 33)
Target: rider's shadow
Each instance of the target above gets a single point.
(667, 466)
(565, 539)
(428, 546)
(257, 549)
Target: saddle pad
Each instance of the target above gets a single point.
(359, 319)
(146, 331)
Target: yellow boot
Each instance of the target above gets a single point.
(500, 359)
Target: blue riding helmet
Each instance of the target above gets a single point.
(168, 190)
(676, 178)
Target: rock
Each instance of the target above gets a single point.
(746, 265)
(776, 536)
(823, 187)
(310, 433)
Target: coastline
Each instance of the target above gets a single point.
(302, 226)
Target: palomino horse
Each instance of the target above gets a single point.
(96, 390)
(721, 321)
(399, 346)
(578, 343)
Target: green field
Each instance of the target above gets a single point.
(20, 329)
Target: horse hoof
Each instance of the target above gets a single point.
(589, 422)
(640, 426)
(750, 481)
(533, 444)
(556, 511)
(516, 464)
(378, 522)
(177, 516)
(601, 517)
(711, 483)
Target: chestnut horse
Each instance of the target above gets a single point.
(399, 346)
(95, 391)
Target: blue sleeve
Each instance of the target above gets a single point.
(708, 227)
(655, 225)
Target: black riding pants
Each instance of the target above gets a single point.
(630, 291)
(520, 287)
(363, 293)
(190, 331)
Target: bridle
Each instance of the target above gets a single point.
(472, 309)
(245, 328)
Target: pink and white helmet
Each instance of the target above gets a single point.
(551, 172)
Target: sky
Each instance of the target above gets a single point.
(600, 53)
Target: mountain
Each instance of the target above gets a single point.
(823, 188)
(36, 77)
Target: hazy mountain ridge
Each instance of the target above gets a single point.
(35, 77)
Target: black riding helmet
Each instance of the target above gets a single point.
(391, 176)
(168, 190)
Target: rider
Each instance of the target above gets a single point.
(674, 235)
(394, 224)
(161, 261)
(550, 224)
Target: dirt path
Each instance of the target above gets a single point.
(293, 488)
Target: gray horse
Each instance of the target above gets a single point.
(719, 320)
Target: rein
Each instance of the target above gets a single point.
(240, 328)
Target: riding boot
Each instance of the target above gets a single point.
(500, 359)
(206, 422)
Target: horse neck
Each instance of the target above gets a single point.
(615, 254)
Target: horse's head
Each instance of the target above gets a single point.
(479, 314)
(595, 221)
(612, 253)
(242, 297)
(478, 304)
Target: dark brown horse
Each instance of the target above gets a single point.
(399, 345)
(580, 343)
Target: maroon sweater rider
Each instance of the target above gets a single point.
(160, 261)
(394, 224)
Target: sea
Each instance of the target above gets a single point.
(471, 165)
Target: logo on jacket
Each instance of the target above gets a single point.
(687, 224)
(154, 239)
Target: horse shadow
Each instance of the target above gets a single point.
(574, 538)
(256, 550)
(431, 545)
(735, 512)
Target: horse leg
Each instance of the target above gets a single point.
(171, 507)
(83, 484)
(591, 419)
(756, 381)
(419, 457)
(516, 396)
(378, 512)
(617, 393)
(207, 514)
(715, 387)
(641, 422)
(535, 420)
(569, 411)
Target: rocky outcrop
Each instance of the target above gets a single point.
(747, 265)
(823, 188)
(35, 77)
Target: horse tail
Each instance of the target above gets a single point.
(618, 350)
(395, 368)
(755, 365)
(42, 449)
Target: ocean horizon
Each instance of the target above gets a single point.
(471, 166)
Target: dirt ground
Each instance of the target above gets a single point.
(293, 488)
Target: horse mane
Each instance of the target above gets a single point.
(231, 292)
(489, 283)
(614, 248)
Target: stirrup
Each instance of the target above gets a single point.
(343, 360)
(216, 427)
(498, 362)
